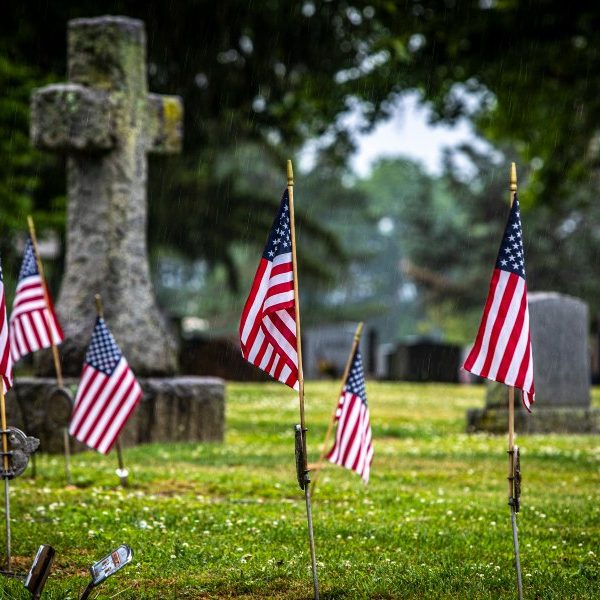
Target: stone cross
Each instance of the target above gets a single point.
(107, 122)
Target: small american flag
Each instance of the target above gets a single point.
(268, 324)
(353, 447)
(502, 349)
(33, 324)
(107, 395)
(5, 357)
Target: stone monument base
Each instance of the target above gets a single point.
(494, 419)
(173, 409)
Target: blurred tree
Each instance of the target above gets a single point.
(268, 75)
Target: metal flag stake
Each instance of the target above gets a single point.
(108, 566)
(16, 450)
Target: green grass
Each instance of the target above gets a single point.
(228, 520)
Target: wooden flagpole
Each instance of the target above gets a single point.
(121, 471)
(511, 437)
(55, 355)
(6, 465)
(319, 466)
(290, 187)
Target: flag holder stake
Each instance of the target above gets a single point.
(319, 466)
(121, 471)
(290, 187)
(55, 355)
(6, 471)
(513, 501)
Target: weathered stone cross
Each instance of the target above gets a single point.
(107, 122)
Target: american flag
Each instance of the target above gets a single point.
(33, 324)
(502, 349)
(268, 324)
(5, 357)
(107, 395)
(353, 447)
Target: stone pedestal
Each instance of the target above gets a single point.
(173, 409)
(561, 368)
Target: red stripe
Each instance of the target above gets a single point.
(283, 267)
(513, 340)
(501, 315)
(479, 339)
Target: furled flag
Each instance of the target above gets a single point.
(33, 324)
(353, 447)
(502, 349)
(268, 324)
(5, 357)
(107, 395)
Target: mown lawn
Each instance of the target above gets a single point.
(228, 521)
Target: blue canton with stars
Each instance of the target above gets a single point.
(280, 239)
(355, 384)
(28, 266)
(511, 256)
(103, 353)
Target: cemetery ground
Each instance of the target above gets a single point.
(228, 520)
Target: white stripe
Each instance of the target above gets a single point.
(256, 307)
(505, 333)
(279, 299)
(282, 259)
(285, 373)
(491, 319)
(281, 278)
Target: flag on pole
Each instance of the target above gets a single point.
(33, 323)
(502, 348)
(5, 356)
(353, 447)
(107, 394)
(268, 323)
